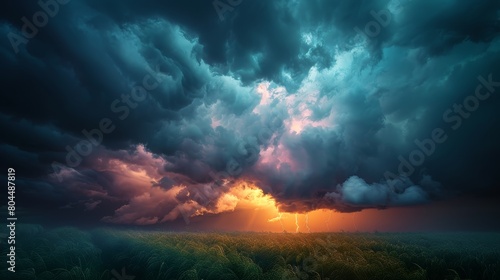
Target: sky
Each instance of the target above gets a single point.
(254, 115)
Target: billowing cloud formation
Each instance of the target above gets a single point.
(157, 110)
(356, 192)
(147, 193)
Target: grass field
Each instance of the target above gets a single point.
(68, 253)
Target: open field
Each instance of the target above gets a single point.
(68, 253)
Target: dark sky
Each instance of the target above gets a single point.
(144, 112)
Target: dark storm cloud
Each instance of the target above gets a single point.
(287, 94)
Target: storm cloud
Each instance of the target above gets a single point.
(144, 112)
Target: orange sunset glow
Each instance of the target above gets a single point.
(247, 208)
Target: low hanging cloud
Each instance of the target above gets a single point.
(355, 192)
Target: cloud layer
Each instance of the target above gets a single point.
(313, 102)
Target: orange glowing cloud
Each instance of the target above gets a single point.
(242, 196)
(138, 184)
(138, 179)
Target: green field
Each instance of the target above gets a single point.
(68, 253)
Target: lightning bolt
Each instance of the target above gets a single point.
(307, 223)
(354, 221)
(297, 222)
(281, 222)
(329, 219)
